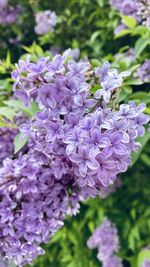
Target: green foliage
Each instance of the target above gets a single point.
(19, 143)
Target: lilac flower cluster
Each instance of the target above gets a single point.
(105, 239)
(143, 72)
(78, 144)
(143, 10)
(45, 21)
(8, 14)
(99, 143)
(146, 263)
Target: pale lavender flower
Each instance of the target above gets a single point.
(109, 79)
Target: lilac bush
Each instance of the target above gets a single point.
(78, 142)
(105, 239)
(45, 22)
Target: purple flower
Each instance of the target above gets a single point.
(56, 65)
(54, 130)
(116, 145)
(23, 95)
(84, 160)
(77, 70)
(107, 169)
(47, 96)
(29, 186)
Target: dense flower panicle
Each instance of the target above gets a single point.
(45, 22)
(78, 144)
(146, 263)
(8, 14)
(105, 239)
(143, 72)
(143, 10)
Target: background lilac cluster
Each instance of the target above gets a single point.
(105, 239)
(8, 14)
(45, 22)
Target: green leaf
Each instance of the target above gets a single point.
(146, 159)
(19, 105)
(7, 112)
(134, 236)
(143, 140)
(94, 36)
(8, 60)
(130, 22)
(140, 45)
(134, 82)
(95, 62)
(140, 95)
(134, 68)
(122, 33)
(19, 143)
(100, 3)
